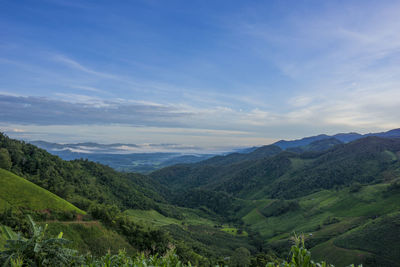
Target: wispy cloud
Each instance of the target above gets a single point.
(89, 88)
(78, 66)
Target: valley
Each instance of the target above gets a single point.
(342, 196)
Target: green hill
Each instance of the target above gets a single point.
(82, 182)
(289, 175)
(342, 196)
(17, 192)
(325, 194)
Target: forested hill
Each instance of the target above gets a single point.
(342, 137)
(289, 174)
(241, 202)
(81, 182)
(343, 195)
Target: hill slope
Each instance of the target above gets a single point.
(289, 175)
(17, 192)
(82, 182)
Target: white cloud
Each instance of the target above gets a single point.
(78, 66)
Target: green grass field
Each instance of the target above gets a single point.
(18, 192)
(233, 231)
(154, 218)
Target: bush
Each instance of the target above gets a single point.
(300, 256)
(38, 249)
(355, 187)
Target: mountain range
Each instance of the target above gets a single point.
(150, 157)
(341, 191)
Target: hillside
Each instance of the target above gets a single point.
(82, 182)
(17, 192)
(288, 174)
(326, 193)
(335, 193)
(105, 194)
(186, 176)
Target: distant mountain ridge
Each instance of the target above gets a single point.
(118, 148)
(343, 137)
(126, 157)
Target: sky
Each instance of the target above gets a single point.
(200, 73)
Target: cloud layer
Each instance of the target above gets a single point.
(204, 75)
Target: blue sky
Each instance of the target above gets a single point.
(203, 73)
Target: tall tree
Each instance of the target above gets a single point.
(5, 160)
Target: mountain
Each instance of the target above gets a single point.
(395, 133)
(317, 146)
(283, 144)
(343, 137)
(343, 195)
(287, 174)
(185, 176)
(339, 194)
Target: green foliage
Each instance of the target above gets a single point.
(15, 220)
(289, 175)
(41, 250)
(219, 202)
(241, 257)
(267, 194)
(91, 237)
(170, 259)
(330, 220)
(81, 182)
(393, 188)
(378, 236)
(279, 207)
(5, 160)
(209, 242)
(300, 256)
(152, 240)
(355, 187)
(38, 250)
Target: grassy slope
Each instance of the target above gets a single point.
(20, 193)
(86, 236)
(190, 218)
(353, 210)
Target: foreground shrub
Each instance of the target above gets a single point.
(123, 260)
(301, 257)
(38, 249)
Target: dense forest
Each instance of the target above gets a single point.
(239, 209)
